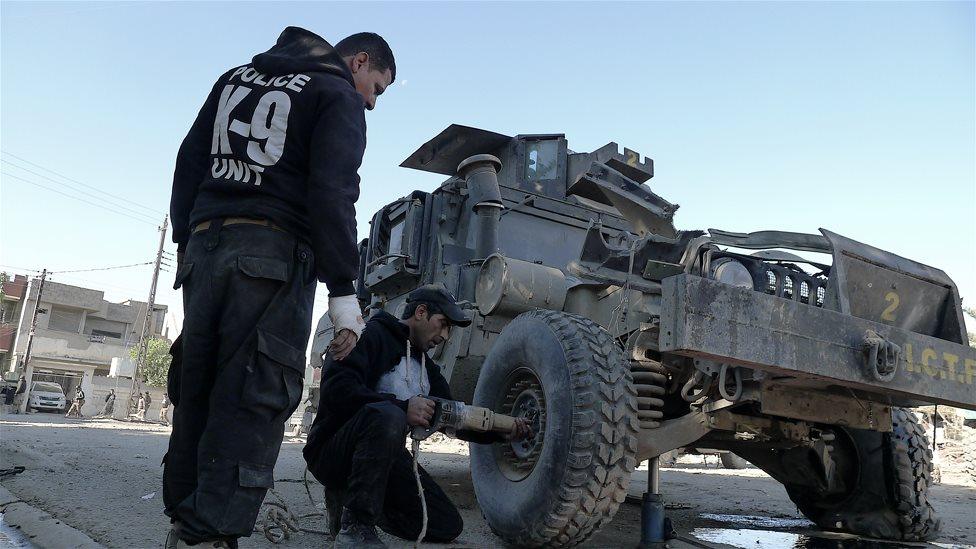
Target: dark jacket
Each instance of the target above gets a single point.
(280, 139)
(349, 385)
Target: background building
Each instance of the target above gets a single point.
(11, 305)
(78, 334)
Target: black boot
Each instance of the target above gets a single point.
(356, 534)
(173, 541)
(333, 506)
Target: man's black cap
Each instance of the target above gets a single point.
(438, 296)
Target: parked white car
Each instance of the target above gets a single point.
(46, 395)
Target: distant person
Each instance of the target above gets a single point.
(141, 408)
(263, 206)
(79, 401)
(19, 394)
(109, 408)
(164, 410)
(148, 401)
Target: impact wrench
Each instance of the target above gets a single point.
(451, 416)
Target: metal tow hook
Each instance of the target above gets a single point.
(688, 390)
(880, 356)
(723, 383)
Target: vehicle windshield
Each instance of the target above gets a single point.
(47, 387)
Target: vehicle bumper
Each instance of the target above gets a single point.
(49, 407)
(739, 326)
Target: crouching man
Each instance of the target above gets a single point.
(369, 400)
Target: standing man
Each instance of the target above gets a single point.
(109, 407)
(148, 401)
(20, 394)
(140, 408)
(79, 401)
(262, 207)
(164, 410)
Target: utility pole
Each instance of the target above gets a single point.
(30, 338)
(136, 388)
(33, 326)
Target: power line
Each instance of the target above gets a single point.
(154, 211)
(103, 268)
(98, 285)
(81, 191)
(20, 268)
(97, 205)
(88, 282)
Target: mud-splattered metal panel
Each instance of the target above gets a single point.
(705, 318)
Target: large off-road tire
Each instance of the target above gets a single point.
(732, 461)
(889, 494)
(564, 484)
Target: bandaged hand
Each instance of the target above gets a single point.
(348, 324)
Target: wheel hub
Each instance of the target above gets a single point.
(523, 398)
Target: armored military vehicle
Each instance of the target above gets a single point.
(622, 337)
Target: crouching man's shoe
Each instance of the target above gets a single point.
(173, 541)
(333, 507)
(356, 534)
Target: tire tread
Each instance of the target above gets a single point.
(604, 446)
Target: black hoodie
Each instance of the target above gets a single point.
(280, 139)
(350, 384)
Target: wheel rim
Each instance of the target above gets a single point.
(522, 396)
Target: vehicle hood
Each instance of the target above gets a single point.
(47, 394)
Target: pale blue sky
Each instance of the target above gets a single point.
(856, 117)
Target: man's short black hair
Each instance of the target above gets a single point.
(380, 54)
(432, 309)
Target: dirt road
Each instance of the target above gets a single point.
(103, 477)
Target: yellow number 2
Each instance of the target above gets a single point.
(889, 313)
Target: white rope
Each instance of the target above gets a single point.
(415, 448)
(420, 491)
(408, 362)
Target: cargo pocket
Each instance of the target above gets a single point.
(253, 482)
(263, 267)
(181, 274)
(273, 385)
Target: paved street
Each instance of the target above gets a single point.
(103, 477)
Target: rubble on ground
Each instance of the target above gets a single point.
(957, 455)
(956, 442)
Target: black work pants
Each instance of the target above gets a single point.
(367, 462)
(237, 375)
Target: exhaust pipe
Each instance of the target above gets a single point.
(480, 172)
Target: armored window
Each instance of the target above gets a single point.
(396, 237)
(541, 159)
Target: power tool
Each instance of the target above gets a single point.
(451, 416)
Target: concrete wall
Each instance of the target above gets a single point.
(98, 387)
(101, 386)
(58, 344)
